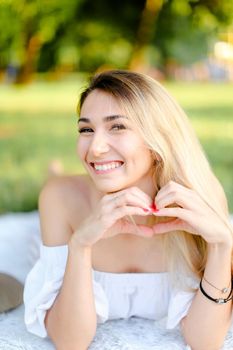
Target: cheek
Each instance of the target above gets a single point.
(140, 152)
(144, 157)
(81, 149)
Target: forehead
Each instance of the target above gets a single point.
(100, 103)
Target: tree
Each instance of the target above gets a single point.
(185, 28)
(26, 26)
(85, 34)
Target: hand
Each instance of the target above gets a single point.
(193, 214)
(109, 217)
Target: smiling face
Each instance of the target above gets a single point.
(110, 148)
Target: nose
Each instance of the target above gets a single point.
(99, 144)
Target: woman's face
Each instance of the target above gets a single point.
(110, 148)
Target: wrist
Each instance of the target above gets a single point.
(226, 244)
(223, 249)
(75, 244)
(80, 256)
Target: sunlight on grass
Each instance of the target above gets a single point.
(217, 129)
(41, 97)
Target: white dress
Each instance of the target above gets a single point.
(117, 295)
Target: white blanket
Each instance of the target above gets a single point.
(19, 242)
(135, 334)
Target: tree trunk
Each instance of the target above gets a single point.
(26, 71)
(145, 32)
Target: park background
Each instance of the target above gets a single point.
(48, 50)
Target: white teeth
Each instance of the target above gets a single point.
(105, 167)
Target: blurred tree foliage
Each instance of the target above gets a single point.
(53, 35)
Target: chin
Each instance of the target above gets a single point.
(110, 187)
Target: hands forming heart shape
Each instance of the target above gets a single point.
(182, 209)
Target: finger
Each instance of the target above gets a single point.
(111, 213)
(179, 195)
(129, 199)
(123, 211)
(181, 213)
(165, 227)
(144, 196)
(187, 219)
(173, 225)
(181, 199)
(138, 230)
(171, 186)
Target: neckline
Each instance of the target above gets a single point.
(131, 273)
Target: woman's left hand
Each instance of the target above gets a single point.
(193, 214)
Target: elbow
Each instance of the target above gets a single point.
(209, 342)
(196, 345)
(203, 342)
(72, 346)
(70, 337)
(81, 343)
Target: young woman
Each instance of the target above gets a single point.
(145, 233)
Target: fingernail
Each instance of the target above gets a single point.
(146, 210)
(155, 211)
(153, 208)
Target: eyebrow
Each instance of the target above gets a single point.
(106, 119)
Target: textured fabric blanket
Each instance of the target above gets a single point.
(137, 334)
(132, 334)
(19, 248)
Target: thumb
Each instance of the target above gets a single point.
(164, 227)
(138, 230)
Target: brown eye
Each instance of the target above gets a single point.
(118, 127)
(85, 130)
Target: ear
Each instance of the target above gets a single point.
(156, 158)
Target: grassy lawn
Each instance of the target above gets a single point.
(38, 126)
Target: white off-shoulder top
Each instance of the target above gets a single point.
(117, 295)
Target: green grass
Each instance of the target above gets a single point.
(38, 125)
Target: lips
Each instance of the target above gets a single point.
(105, 166)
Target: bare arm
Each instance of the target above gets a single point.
(207, 323)
(71, 321)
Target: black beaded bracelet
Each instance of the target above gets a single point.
(220, 300)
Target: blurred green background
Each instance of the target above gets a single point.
(49, 48)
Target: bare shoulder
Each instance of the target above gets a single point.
(63, 203)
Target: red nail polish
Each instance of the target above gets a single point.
(153, 207)
(145, 210)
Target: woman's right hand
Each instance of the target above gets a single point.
(109, 217)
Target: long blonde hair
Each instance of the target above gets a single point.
(168, 133)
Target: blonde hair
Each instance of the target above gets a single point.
(178, 155)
